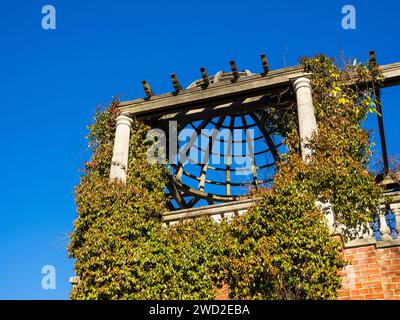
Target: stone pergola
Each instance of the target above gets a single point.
(231, 93)
(253, 92)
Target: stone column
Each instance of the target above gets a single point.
(305, 112)
(384, 227)
(396, 211)
(119, 162)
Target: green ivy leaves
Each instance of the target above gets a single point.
(280, 249)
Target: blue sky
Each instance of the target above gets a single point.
(52, 80)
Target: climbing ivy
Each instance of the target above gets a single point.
(281, 248)
(120, 247)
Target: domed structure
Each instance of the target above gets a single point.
(223, 157)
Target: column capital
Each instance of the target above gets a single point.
(301, 82)
(124, 118)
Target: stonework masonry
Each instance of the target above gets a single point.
(373, 272)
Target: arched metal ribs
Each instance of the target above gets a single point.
(268, 139)
(251, 151)
(174, 192)
(206, 159)
(182, 159)
(182, 191)
(229, 157)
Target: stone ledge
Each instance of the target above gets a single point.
(73, 280)
(371, 241)
(386, 244)
(183, 214)
(360, 243)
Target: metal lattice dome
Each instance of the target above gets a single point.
(224, 157)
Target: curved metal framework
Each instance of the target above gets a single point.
(219, 172)
(228, 100)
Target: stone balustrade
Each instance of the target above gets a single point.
(384, 230)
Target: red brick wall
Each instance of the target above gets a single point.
(373, 273)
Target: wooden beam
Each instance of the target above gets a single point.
(203, 195)
(215, 94)
(147, 90)
(391, 73)
(205, 77)
(220, 93)
(175, 83)
(265, 64)
(237, 106)
(234, 69)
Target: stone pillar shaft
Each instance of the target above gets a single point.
(119, 163)
(305, 112)
(384, 227)
(396, 211)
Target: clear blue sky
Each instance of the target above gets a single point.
(52, 80)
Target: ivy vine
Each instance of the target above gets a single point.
(280, 249)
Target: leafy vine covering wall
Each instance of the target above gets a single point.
(280, 249)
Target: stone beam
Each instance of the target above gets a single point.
(219, 93)
(213, 95)
(391, 73)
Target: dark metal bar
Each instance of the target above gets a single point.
(204, 75)
(235, 72)
(381, 131)
(372, 58)
(251, 151)
(147, 90)
(267, 137)
(265, 65)
(175, 194)
(177, 86)
(372, 62)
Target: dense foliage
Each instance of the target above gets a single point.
(281, 249)
(121, 249)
